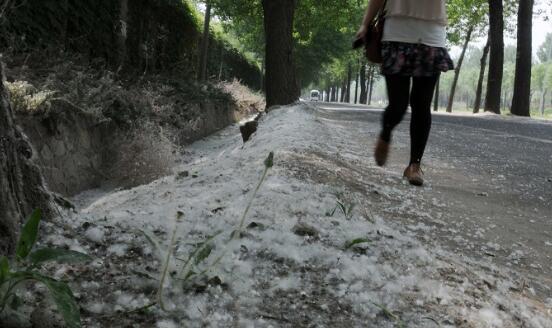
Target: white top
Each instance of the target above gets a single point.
(413, 30)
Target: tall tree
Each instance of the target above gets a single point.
(202, 72)
(348, 83)
(521, 101)
(467, 18)
(371, 79)
(122, 33)
(496, 58)
(545, 50)
(343, 90)
(540, 77)
(363, 91)
(357, 78)
(281, 82)
(482, 67)
(458, 67)
(21, 184)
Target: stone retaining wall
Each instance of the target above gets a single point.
(76, 149)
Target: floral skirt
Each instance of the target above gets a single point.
(410, 59)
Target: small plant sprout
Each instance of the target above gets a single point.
(204, 250)
(268, 163)
(346, 209)
(349, 244)
(192, 266)
(178, 219)
(26, 267)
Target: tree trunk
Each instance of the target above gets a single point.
(221, 65)
(263, 75)
(479, 91)
(372, 71)
(356, 87)
(202, 69)
(363, 91)
(122, 34)
(543, 101)
(21, 184)
(436, 96)
(281, 81)
(457, 70)
(333, 96)
(65, 12)
(348, 85)
(343, 91)
(496, 57)
(521, 101)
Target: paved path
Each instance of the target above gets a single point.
(490, 176)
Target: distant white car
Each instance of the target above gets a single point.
(315, 95)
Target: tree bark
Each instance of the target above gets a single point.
(521, 101)
(221, 65)
(356, 87)
(21, 184)
(436, 97)
(372, 72)
(496, 57)
(343, 91)
(479, 90)
(281, 80)
(122, 34)
(65, 13)
(543, 101)
(348, 85)
(457, 69)
(263, 75)
(363, 91)
(202, 69)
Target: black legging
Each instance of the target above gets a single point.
(398, 90)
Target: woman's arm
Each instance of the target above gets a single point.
(373, 8)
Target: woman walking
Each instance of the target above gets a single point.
(414, 55)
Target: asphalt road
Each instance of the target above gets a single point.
(494, 177)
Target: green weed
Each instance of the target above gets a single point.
(346, 209)
(25, 267)
(354, 242)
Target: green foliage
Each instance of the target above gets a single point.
(349, 244)
(545, 50)
(25, 269)
(28, 237)
(161, 35)
(464, 15)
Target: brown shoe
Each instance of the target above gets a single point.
(414, 174)
(381, 152)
